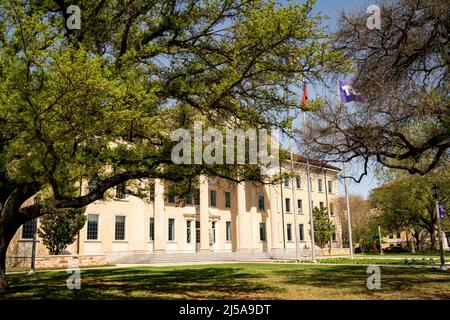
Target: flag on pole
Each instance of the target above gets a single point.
(346, 91)
(304, 95)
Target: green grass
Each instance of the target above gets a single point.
(26, 269)
(235, 281)
(379, 261)
(422, 254)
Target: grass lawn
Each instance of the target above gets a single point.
(422, 254)
(379, 261)
(235, 281)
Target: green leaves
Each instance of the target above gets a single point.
(323, 227)
(102, 101)
(58, 230)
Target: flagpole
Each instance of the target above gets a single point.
(349, 216)
(294, 200)
(311, 216)
(344, 171)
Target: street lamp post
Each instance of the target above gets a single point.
(379, 236)
(33, 250)
(436, 193)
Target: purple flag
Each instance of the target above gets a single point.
(346, 91)
(441, 211)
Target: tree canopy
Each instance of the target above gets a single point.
(408, 203)
(401, 118)
(99, 103)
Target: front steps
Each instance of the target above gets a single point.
(145, 257)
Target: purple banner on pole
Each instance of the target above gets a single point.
(441, 211)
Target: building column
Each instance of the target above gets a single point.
(159, 242)
(254, 225)
(273, 217)
(204, 213)
(241, 217)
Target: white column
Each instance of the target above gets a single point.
(204, 213)
(241, 217)
(159, 243)
(273, 217)
(254, 225)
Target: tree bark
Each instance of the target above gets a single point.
(3, 282)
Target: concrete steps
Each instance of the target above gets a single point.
(149, 258)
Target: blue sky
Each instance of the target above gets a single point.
(332, 8)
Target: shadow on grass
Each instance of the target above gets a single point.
(397, 282)
(139, 283)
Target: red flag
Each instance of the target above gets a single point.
(304, 94)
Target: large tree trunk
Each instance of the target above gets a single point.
(3, 282)
(416, 235)
(11, 218)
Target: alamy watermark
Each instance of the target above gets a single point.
(74, 20)
(73, 282)
(374, 20)
(374, 278)
(216, 144)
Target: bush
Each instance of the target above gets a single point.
(396, 250)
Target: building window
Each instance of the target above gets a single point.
(28, 229)
(301, 232)
(300, 206)
(120, 228)
(331, 209)
(151, 229)
(121, 191)
(398, 235)
(289, 232)
(321, 205)
(330, 186)
(288, 204)
(212, 198)
(228, 230)
(391, 236)
(262, 231)
(197, 231)
(213, 232)
(333, 237)
(92, 227)
(151, 192)
(171, 198)
(188, 231)
(197, 197)
(171, 233)
(311, 184)
(298, 182)
(319, 185)
(261, 202)
(286, 182)
(188, 199)
(227, 199)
